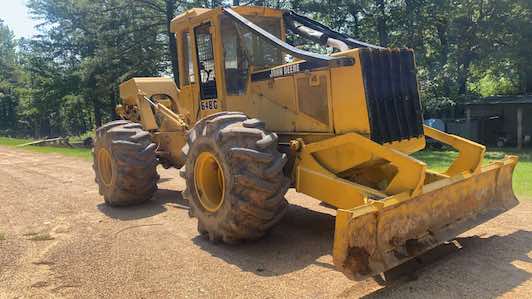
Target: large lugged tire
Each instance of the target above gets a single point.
(234, 177)
(124, 163)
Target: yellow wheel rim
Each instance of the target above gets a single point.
(209, 181)
(105, 166)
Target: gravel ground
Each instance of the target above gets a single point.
(57, 239)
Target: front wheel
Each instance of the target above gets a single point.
(234, 177)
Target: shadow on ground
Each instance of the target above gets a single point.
(306, 235)
(150, 208)
(490, 261)
(297, 241)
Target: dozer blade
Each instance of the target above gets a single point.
(380, 235)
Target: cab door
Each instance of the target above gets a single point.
(207, 73)
(188, 83)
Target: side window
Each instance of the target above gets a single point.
(264, 55)
(235, 61)
(187, 58)
(205, 56)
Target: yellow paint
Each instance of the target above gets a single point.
(209, 181)
(168, 142)
(317, 179)
(281, 91)
(393, 230)
(385, 198)
(349, 99)
(149, 86)
(470, 154)
(105, 166)
(169, 133)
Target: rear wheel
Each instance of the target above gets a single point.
(124, 163)
(234, 176)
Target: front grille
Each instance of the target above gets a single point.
(391, 94)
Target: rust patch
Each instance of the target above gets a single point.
(357, 261)
(414, 247)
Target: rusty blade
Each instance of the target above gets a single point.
(380, 235)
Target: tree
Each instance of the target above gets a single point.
(105, 42)
(11, 87)
(65, 80)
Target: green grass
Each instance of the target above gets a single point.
(13, 141)
(73, 152)
(436, 160)
(522, 178)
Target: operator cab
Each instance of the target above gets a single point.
(201, 66)
(250, 59)
(252, 42)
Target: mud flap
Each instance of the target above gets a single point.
(380, 235)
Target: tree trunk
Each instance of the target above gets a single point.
(93, 96)
(353, 11)
(442, 27)
(97, 111)
(172, 47)
(381, 23)
(464, 73)
(410, 10)
(525, 81)
(114, 102)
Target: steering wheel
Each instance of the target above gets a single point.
(208, 72)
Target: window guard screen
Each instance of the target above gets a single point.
(205, 55)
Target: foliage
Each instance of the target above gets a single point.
(64, 81)
(11, 81)
(84, 153)
(441, 160)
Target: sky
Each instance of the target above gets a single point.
(17, 17)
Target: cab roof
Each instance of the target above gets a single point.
(195, 14)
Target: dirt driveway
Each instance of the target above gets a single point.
(57, 239)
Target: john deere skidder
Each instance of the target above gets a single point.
(254, 115)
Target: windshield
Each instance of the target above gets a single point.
(241, 44)
(243, 48)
